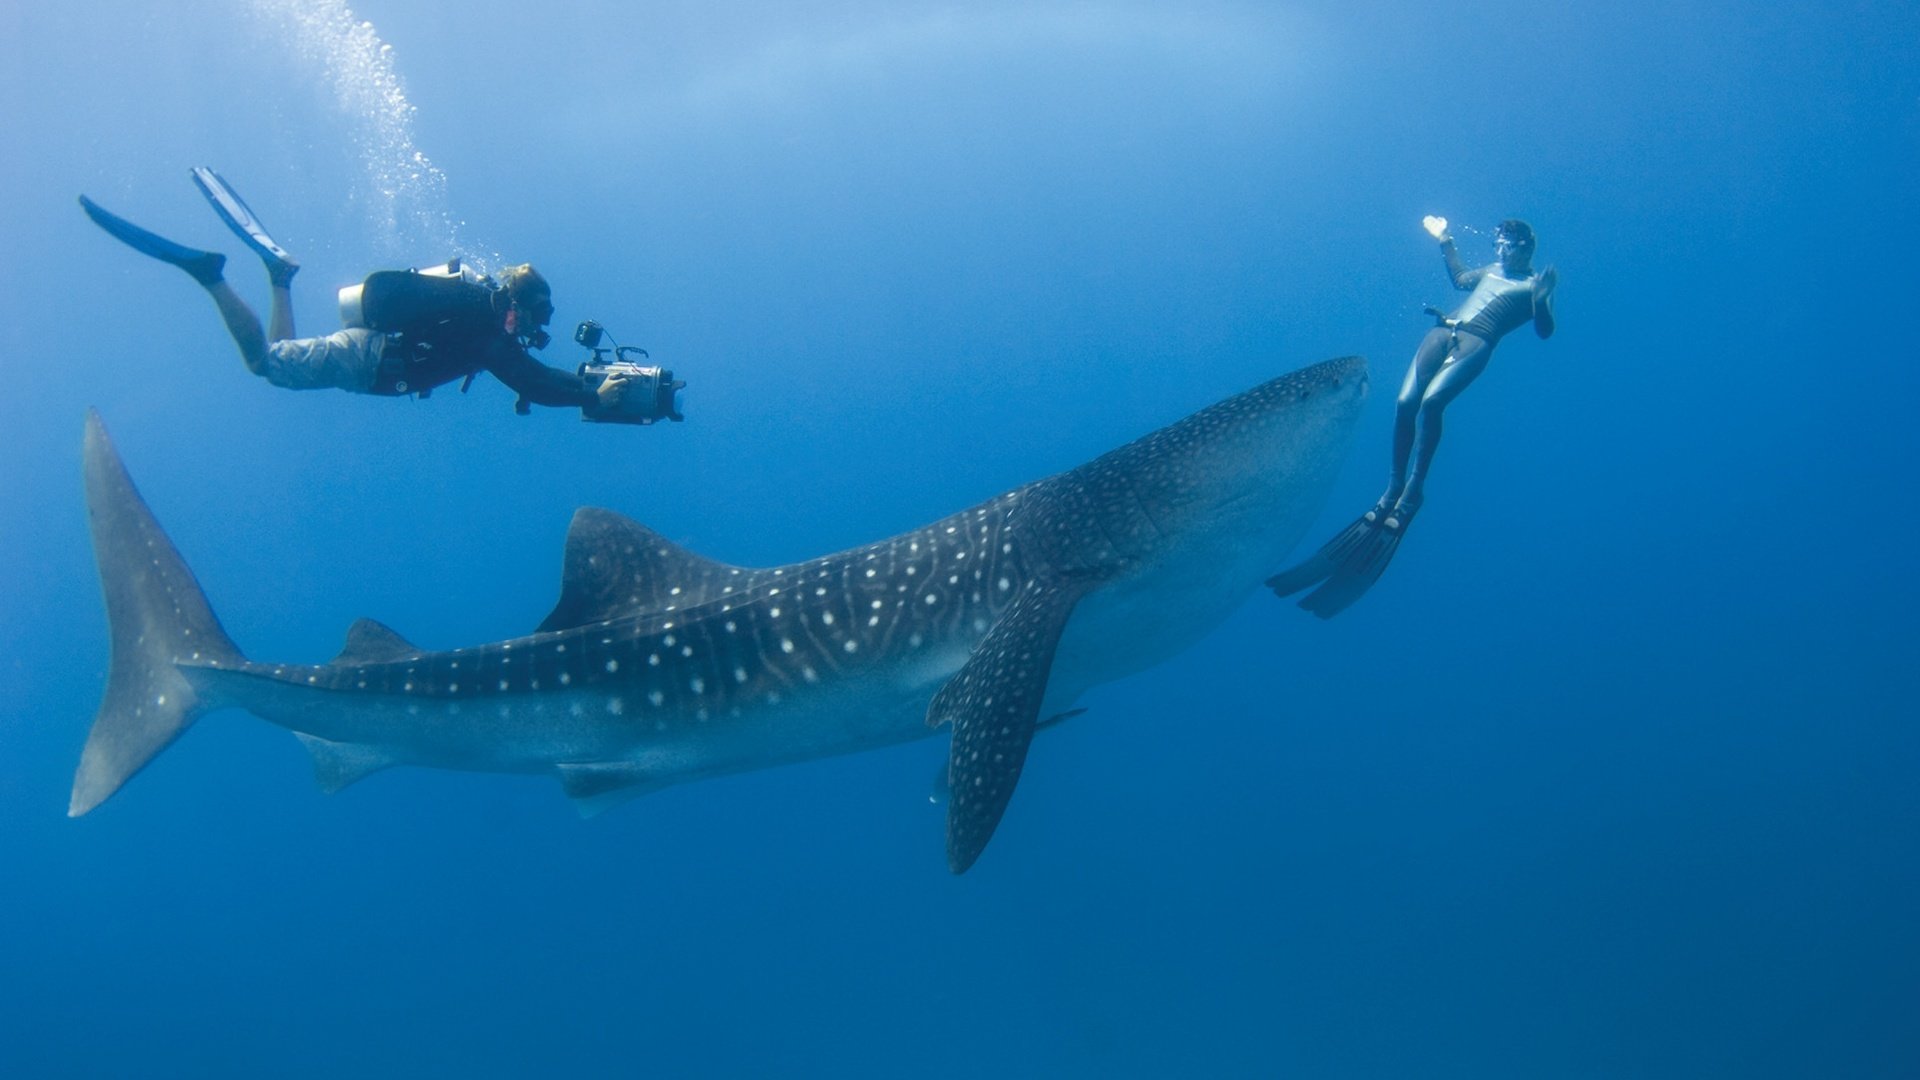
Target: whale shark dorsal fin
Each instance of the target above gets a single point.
(338, 764)
(371, 642)
(993, 703)
(617, 567)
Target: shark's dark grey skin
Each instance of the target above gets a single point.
(659, 666)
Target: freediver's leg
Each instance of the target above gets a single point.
(1465, 365)
(1428, 360)
(1361, 561)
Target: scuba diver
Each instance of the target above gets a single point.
(1505, 295)
(407, 331)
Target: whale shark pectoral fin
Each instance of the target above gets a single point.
(942, 786)
(596, 788)
(615, 566)
(993, 703)
(338, 764)
(371, 642)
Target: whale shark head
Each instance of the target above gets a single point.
(1277, 445)
(1242, 479)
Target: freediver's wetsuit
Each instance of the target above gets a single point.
(1449, 358)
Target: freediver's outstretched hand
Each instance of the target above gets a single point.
(1543, 285)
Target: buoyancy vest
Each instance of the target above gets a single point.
(420, 312)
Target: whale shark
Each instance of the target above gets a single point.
(658, 665)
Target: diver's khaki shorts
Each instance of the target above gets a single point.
(345, 360)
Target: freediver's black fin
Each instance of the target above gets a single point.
(1362, 566)
(1325, 562)
(240, 218)
(205, 266)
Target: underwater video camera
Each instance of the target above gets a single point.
(649, 394)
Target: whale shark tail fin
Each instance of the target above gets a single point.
(157, 617)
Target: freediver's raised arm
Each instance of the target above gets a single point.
(1543, 286)
(1464, 277)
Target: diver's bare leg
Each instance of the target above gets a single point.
(243, 324)
(280, 314)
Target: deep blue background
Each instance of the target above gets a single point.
(1614, 774)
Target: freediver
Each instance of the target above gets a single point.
(436, 326)
(1505, 295)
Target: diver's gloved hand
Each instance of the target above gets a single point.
(1543, 285)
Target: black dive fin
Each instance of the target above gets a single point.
(1324, 562)
(234, 211)
(615, 566)
(993, 703)
(370, 642)
(205, 266)
(1357, 572)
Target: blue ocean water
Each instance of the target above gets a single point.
(1613, 775)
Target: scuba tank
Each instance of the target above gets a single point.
(415, 301)
(414, 309)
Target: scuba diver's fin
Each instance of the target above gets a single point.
(1365, 561)
(205, 266)
(233, 210)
